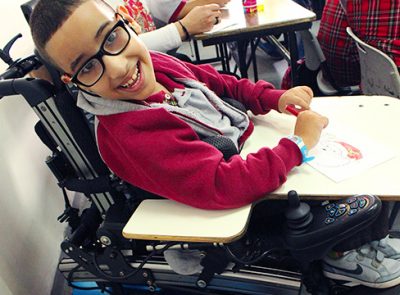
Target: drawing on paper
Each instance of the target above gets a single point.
(337, 153)
(350, 154)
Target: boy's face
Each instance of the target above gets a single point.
(128, 75)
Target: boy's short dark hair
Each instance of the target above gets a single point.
(47, 17)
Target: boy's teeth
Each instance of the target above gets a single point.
(134, 78)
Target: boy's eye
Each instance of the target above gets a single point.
(89, 67)
(111, 38)
(115, 41)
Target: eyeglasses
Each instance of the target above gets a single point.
(114, 43)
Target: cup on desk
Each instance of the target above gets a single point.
(249, 6)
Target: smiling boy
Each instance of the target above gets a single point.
(153, 110)
(154, 113)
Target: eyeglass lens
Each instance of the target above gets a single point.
(114, 43)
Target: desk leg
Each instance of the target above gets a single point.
(226, 56)
(242, 50)
(253, 46)
(221, 55)
(196, 51)
(294, 56)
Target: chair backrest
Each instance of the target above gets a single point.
(379, 74)
(314, 65)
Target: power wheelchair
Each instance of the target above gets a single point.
(95, 249)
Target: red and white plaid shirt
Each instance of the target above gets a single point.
(140, 15)
(376, 22)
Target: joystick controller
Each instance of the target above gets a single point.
(298, 215)
(311, 232)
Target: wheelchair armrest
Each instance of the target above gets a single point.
(172, 221)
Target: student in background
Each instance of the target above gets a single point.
(168, 11)
(376, 22)
(169, 37)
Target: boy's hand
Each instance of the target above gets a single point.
(309, 126)
(201, 18)
(299, 96)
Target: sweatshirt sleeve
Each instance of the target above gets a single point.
(163, 39)
(159, 153)
(165, 11)
(259, 97)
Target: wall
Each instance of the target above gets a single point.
(30, 200)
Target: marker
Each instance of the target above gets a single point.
(293, 110)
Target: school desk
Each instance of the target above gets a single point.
(278, 16)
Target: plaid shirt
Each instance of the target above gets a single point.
(139, 13)
(376, 22)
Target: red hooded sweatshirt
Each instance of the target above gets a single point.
(157, 150)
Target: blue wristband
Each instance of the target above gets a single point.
(303, 148)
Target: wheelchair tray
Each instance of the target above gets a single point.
(172, 221)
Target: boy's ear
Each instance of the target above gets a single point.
(122, 10)
(65, 78)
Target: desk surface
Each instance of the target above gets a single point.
(277, 13)
(375, 117)
(167, 220)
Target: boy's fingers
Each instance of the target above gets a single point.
(326, 121)
(308, 90)
(214, 6)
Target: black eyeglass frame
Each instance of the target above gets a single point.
(99, 55)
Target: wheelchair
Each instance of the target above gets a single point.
(110, 243)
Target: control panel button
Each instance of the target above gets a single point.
(340, 211)
(362, 202)
(352, 211)
(354, 205)
(329, 207)
(351, 200)
(332, 212)
(329, 220)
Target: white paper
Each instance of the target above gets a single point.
(224, 24)
(344, 154)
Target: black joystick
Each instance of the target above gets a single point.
(298, 215)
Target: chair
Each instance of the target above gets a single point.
(315, 61)
(379, 74)
(314, 71)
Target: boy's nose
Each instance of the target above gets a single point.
(114, 65)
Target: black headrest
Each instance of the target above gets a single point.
(27, 8)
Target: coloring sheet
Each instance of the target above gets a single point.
(344, 154)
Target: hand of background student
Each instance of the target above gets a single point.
(309, 126)
(204, 2)
(299, 96)
(190, 5)
(201, 18)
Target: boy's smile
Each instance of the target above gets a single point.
(80, 47)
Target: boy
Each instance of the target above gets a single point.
(128, 140)
(153, 111)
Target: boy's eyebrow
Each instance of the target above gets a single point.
(100, 30)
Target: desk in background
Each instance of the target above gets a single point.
(279, 16)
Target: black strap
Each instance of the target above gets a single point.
(97, 185)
